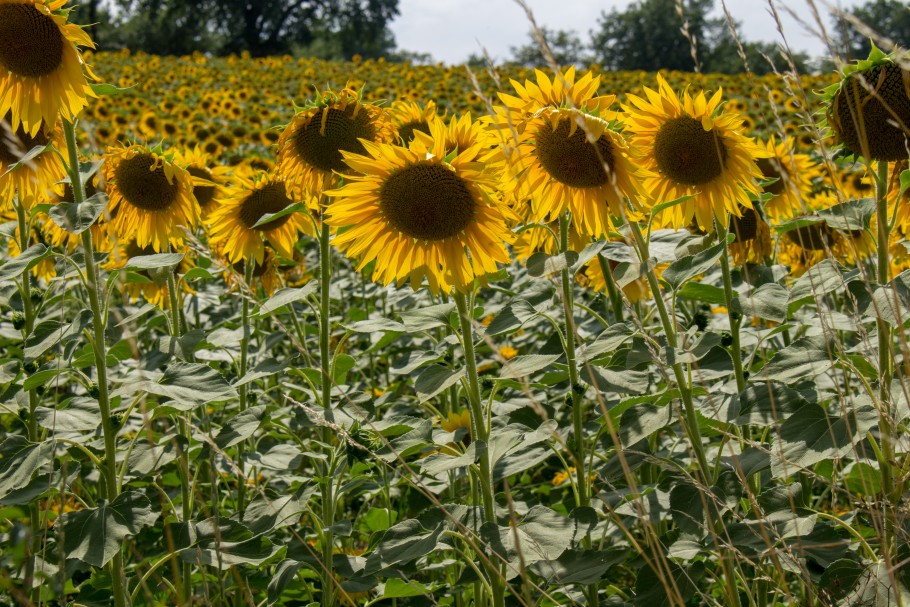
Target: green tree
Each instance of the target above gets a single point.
(566, 46)
(762, 57)
(887, 18)
(648, 36)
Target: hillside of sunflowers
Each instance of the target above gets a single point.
(282, 331)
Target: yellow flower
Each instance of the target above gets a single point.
(42, 73)
(410, 117)
(508, 352)
(693, 149)
(421, 212)
(794, 173)
(151, 198)
(35, 178)
(456, 420)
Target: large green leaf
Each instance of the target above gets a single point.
(95, 535)
(804, 359)
(77, 218)
(240, 427)
(434, 379)
(579, 566)
(19, 460)
(543, 264)
(189, 385)
(402, 543)
(769, 301)
(13, 267)
(287, 296)
(688, 267)
(527, 365)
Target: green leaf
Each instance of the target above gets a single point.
(767, 403)
(810, 435)
(13, 268)
(434, 379)
(443, 462)
(608, 379)
(579, 566)
(341, 365)
(697, 291)
(588, 253)
(95, 535)
(517, 448)
(189, 385)
(670, 203)
(19, 460)
(651, 587)
(850, 216)
(103, 88)
(378, 519)
(543, 264)
(284, 575)
(77, 218)
(643, 420)
(905, 182)
(28, 157)
(397, 589)
(526, 365)
(240, 427)
(402, 543)
(51, 332)
(512, 317)
(287, 296)
(264, 368)
(818, 280)
(428, 317)
(375, 325)
(683, 269)
(768, 301)
(256, 551)
(158, 261)
(607, 342)
(270, 217)
(804, 359)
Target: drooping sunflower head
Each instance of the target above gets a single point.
(236, 229)
(35, 178)
(151, 197)
(410, 116)
(420, 213)
(311, 147)
(869, 109)
(567, 160)
(693, 148)
(753, 237)
(793, 174)
(41, 70)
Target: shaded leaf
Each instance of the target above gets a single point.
(95, 535)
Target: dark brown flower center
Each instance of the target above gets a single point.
(572, 159)
(31, 44)
(687, 153)
(265, 200)
(427, 201)
(816, 237)
(321, 147)
(871, 112)
(15, 144)
(773, 168)
(144, 187)
(406, 130)
(744, 227)
(204, 193)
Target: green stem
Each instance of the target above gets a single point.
(691, 419)
(612, 288)
(108, 430)
(325, 362)
(249, 267)
(736, 318)
(578, 447)
(480, 431)
(885, 363)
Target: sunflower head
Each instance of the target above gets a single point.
(410, 116)
(208, 178)
(418, 211)
(151, 197)
(41, 71)
(869, 109)
(311, 147)
(33, 180)
(789, 175)
(693, 148)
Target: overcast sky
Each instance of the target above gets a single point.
(450, 30)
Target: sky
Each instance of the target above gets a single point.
(450, 30)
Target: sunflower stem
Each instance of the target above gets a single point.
(480, 431)
(885, 365)
(108, 429)
(325, 361)
(575, 388)
(31, 423)
(691, 419)
(612, 288)
(249, 267)
(736, 318)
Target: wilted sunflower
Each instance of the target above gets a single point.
(794, 173)
(753, 237)
(251, 197)
(150, 197)
(34, 178)
(420, 213)
(571, 161)
(869, 109)
(693, 148)
(41, 71)
(410, 117)
(310, 147)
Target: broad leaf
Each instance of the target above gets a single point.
(95, 535)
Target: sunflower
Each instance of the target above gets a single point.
(310, 147)
(563, 91)
(251, 197)
(410, 117)
(41, 71)
(420, 213)
(693, 149)
(208, 178)
(753, 237)
(571, 161)
(592, 277)
(541, 240)
(869, 109)
(45, 270)
(150, 197)
(265, 273)
(34, 178)
(794, 174)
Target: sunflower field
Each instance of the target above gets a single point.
(281, 331)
